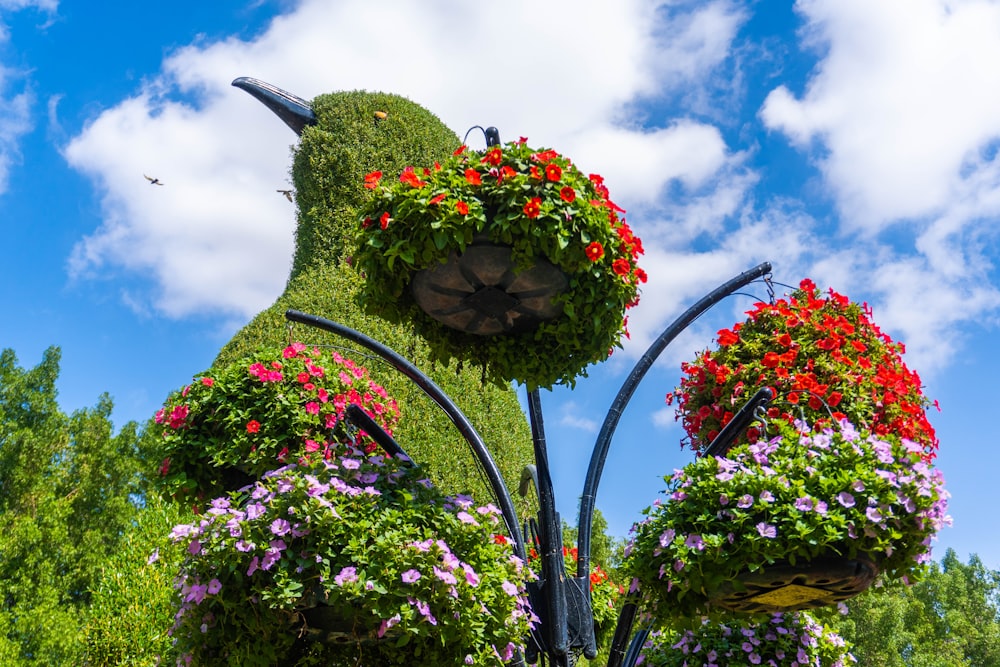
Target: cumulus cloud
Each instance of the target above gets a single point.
(562, 73)
(902, 116)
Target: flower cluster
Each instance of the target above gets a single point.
(412, 575)
(260, 413)
(796, 496)
(543, 207)
(825, 360)
(784, 640)
(605, 593)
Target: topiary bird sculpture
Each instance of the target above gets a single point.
(344, 136)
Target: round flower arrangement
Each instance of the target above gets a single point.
(357, 552)
(233, 424)
(783, 640)
(549, 214)
(797, 496)
(825, 360)
(605, 594)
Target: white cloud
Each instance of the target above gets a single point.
(562, 73)
(902, 104)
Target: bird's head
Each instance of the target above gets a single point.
(344, 136)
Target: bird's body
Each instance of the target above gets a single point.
(288, 195)
(153, 181)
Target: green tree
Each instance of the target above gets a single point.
(950, 618)
(66, 484)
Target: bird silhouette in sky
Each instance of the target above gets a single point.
(153, 181)
(288, 195)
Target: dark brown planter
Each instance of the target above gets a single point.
(806, 585)
(482, 292)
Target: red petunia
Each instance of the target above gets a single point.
(473, 177)
(410, 178)
(553, 172)
(727, 337)
(533, 208)
(594, 251)
(253, 426)
(493, 156)
(620, 266)
(384, 220)
(462, 207)
(567, 194)
(372, 179)
(438, 199)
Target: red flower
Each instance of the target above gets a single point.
(553, 172)
(438, 199)
(208, 382)
(410, 178)
(372, 179)
(473, 177)
(567, 194)
(165, 467)
(384, 220)
(533, 208)
(640, 274)
(459, 150)
(253, 426)
(499, 539)
(727, 337)
(594, 251)
(620, 266)
(462, 207)
(493, 156)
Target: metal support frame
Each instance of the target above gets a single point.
(566, 616)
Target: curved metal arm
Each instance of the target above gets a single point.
(435, 393)
(603, 444)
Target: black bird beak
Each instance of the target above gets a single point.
(295, 111)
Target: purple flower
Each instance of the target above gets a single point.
(767, 530)
(410, 576)
(509, 588)
(766, 496)
(745, 501)
(845, 499)
(255, 510)
(350, 464)
(214, 586)
(803, 504)
(465, 517)
(280, 527)
(346, 576)
(695, 542)
(667, 537)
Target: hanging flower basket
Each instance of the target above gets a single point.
(799, 520)
(511, 258)
(783, 640)
(233, 424)
(357, 552)
(825, 360)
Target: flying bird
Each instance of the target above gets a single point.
(153, 181)
(288, 195)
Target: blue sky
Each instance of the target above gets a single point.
(848, 141)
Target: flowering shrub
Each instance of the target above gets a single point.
(784, 640)
(416, 577)
(796, 496)
(259, 413)
(604, 592)
(826, 361)
(539, 203)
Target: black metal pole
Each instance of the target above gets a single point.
(435, 393)
(603, 444)
(553, 589)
